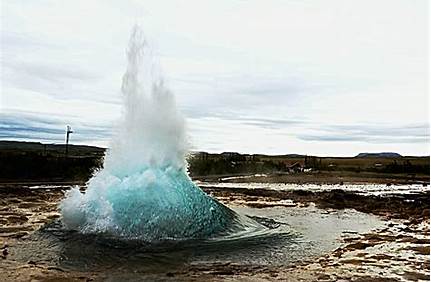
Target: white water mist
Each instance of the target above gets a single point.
(144, 191)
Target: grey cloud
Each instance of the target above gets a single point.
(262, 122)
(27, 73)
(43, 128)
(266, 122)
(410, 133)
(417, 130)
(12, 41)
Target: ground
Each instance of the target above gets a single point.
(398, 251)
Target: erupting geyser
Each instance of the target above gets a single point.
(143, 190)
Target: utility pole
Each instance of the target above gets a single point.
(68, 131)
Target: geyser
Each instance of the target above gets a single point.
(144, 190)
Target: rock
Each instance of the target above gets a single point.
(358, 246)
(423, 250)
(323, 277)
(55, 268)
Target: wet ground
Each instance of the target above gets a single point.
(315, 233)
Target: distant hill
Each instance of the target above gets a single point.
(34, 161)
(379, 155)
(23, 161)
(49, 149)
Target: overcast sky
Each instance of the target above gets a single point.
(312, 77)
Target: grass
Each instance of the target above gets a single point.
(36, 161)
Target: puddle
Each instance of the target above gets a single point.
(292, 235)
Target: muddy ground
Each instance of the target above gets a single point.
(323, 177)
(397, 252)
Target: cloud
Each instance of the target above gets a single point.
(31, 126)
(12, 41)
(50, 72)
(56, 79)
(262, 122)
(269, 77)
(409, 133)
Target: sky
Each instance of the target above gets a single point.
(320, 77)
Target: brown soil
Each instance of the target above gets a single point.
(398, 251)
(325, 177)
(414, 206)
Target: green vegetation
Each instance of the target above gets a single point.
(418, 165)
(22, 161)
(202, 164)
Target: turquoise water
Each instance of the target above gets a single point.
(151, 205)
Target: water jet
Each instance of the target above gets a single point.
(144, 190)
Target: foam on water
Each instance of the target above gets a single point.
(144, 190)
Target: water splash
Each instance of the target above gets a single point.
(144, 190)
